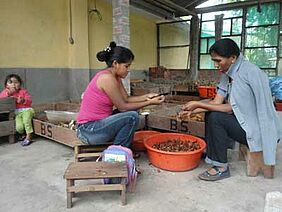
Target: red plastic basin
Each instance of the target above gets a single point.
(140, 137)
(174, 161)
(207, 91)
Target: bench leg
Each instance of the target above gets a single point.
(268, 171)
(123, 192)
(76, 153)
(11, 139)
(69, 194)
(255, 164)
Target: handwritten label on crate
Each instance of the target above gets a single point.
(46, 129)
(170, 124)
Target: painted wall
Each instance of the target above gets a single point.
(34, 41)
(34, 33)
(143, 41)
(143, 35)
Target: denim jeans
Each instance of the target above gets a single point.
(219, 128)
(118, 128)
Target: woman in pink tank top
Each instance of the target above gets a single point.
(96, 123)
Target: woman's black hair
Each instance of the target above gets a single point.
(113, 52)
(225, 47)
(13, 76)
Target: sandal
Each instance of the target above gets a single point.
(136, 155)
(25, 142)
(219, 175)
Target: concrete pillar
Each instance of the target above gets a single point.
(121, 32)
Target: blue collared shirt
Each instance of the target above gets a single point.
(252, 104)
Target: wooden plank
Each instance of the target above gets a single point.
(106, 187)
(67, 106)
(164, 118)
(63, 106)
(87, 155)
(60, 134)
(7, 104)
(180, 99)
(95, 170)
(7, 128)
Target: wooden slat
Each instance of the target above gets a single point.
(104, 187)
(67, 106)
(95, 170)
(7, 104)
(7, 128)
(87, 155)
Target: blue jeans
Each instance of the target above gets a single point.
(118, 128)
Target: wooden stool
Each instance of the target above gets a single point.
(82, 150)
(255, 163)
(95, 170)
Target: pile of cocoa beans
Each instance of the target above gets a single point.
(177, 145)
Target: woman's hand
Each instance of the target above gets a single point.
(190, 106)
(184, 113)
(151, 95)
(156, 100)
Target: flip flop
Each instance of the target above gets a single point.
(25, 142)
(219, 175)
(136, 155)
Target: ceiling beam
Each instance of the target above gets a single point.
(161, 5)
(192, 3)
(199, 2)
(179, 8)
(152, 9)
(229, 6)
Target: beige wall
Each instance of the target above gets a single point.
(100, 31)
(143, 36)
(79, 52)
(143, 41)
(35, 34)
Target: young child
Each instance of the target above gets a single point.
(23, 112)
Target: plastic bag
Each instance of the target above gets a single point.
(276, 87)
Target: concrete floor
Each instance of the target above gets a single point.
(32, 180)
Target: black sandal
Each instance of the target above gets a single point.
(219, 175)
(136, 155)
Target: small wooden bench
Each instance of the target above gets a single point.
(7, 118)
(255, 163)
(86, 151)
(95, 170)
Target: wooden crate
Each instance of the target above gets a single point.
(62, 106)
(58, 133)
(7, 114)
(54, 132)
(163, 118)
(181, 99)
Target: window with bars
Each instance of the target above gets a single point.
(173, 44)
(262, 44)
